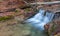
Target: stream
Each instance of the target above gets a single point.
(38, 21)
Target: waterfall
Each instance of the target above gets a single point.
(40, 19)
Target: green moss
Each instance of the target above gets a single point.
(16, 10)
(5, 18)
(27, 9)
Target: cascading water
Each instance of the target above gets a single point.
(38, 21)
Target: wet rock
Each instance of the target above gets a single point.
(57, 15)
(53, 28)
